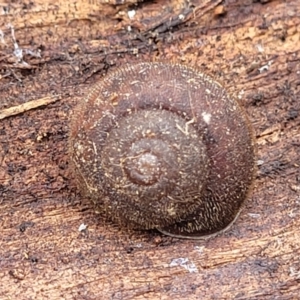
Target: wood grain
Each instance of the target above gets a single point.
(61, 48)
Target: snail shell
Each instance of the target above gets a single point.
(163, 146)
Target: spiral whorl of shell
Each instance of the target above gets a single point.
(163, 146)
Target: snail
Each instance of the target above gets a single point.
(161, 145)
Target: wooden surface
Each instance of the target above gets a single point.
(58, 49)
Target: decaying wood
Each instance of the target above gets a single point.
(15, 110)
(61, 48)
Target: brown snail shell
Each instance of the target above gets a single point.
(163, 146)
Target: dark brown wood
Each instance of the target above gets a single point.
(59, 49)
